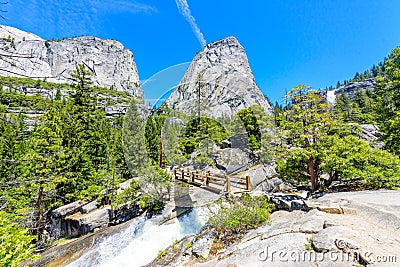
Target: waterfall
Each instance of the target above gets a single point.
(141, 242)
(331, 97)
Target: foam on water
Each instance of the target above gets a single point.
(141, 242)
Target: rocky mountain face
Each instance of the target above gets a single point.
(350, 89)
(113, 65)
(220, 80)
(7, 32)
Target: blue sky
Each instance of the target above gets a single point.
(316, 42)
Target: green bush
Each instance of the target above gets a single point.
(241, 215)
(15, 245)
(149, 203)
(129, 194)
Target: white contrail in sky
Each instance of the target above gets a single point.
(185, 11)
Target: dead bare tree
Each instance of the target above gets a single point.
(2, 11)
(10, 57)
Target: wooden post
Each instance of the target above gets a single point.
(248, 184)
(204, 180)
(207, 178)
(228, 183)
(192, 176)
(175, 174)
(183, 174)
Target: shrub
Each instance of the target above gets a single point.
(16, 245)
(243, 214)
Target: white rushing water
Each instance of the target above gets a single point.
(141, 242)
(331, 97)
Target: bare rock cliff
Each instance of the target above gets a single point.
(226, 82)
(30, 56)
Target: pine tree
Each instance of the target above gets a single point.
(134, 142)
(82, 78)
(46, 149)
(343, 108)
(387, 94)
(58, 94)
(152, 136)
(306, 123)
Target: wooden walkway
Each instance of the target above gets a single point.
(215, 182)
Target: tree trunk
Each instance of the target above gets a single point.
(313, 175)
(38, 227)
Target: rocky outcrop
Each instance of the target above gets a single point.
(112, 65)
(340, 229)
(202, 245)
(366, 226)
(78, 218)
(81, 224)
(58, 226)
(371, 134)
(68, 209)
(7, 32)
(259, 174)
(81, 217)
(350, 89)
(89, 207)
(226, 82)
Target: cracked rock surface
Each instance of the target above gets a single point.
(367, 236)
(226, 80)
(112, 64)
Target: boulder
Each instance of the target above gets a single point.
(239, 141)
(202, 246)
(259, 176)
(281, 204)
(234, 160)
(312, 225)
(299, 205)
(284, 187)
(77, 224)
(89, 207)
(125, 212)
(370, 133)
(289, 202)
(68, 209)
(226, 144)
(269, 185)
(326, 239)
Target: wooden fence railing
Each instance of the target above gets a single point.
(241, 184)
